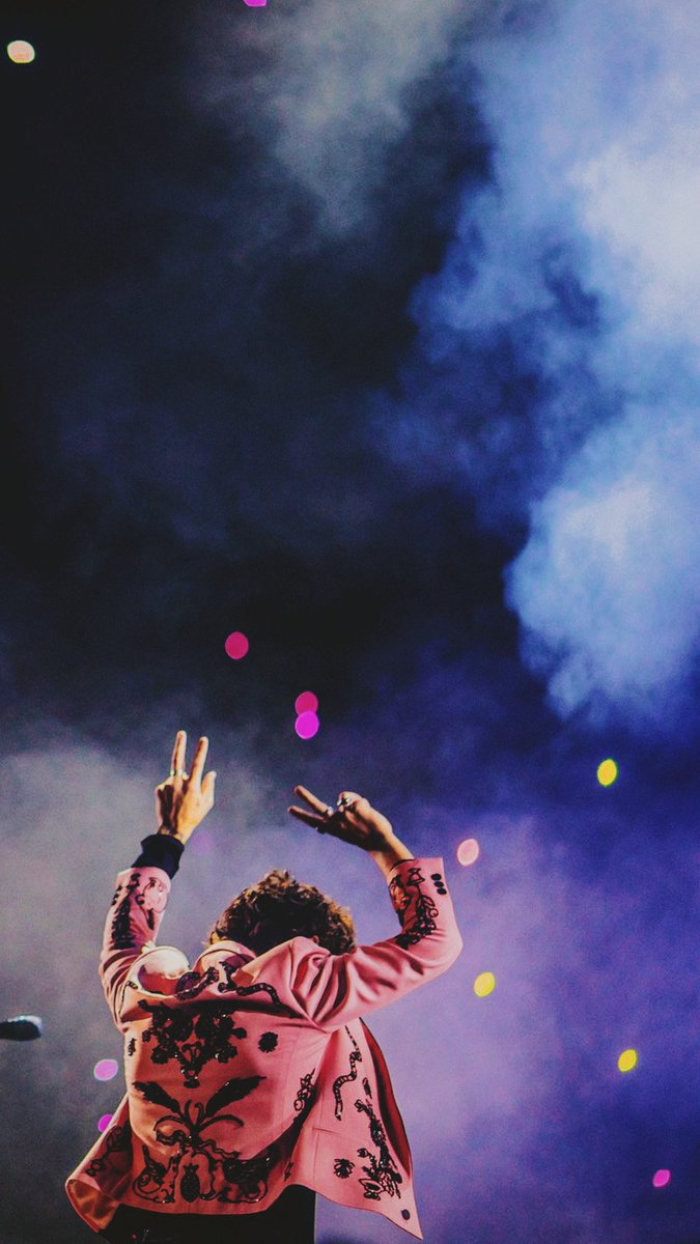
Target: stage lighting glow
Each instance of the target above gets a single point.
(607, 772)
(468, 852)
(105, 1069)
(661, 1178)
(236, 645)
(307, 725)
(628, 1060)
(484, 984)
(21, 52)
(307, 702)
(104, 1122)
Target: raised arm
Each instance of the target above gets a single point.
(335, 989)
(136, 911)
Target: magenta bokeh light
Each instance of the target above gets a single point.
(468, 851)
(103, 1122)
(236, 645)
(661, 1178)
(307, 702)
(105, 1069)
(307, 725)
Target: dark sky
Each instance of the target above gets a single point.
(368, 329)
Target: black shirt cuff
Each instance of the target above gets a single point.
(160, 851)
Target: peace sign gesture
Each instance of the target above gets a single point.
(183, 799)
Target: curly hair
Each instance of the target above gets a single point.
(280, 907)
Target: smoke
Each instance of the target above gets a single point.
(330, 88)
(556, 372)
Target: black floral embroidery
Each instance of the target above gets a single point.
(305, 1093)
(249, 1175)
(424, 909)
(355, 1057)
(343, 1168)
(268, 1042)
(381, 1173)
(116, 1141)
(192, 1037)
(122, 937)
(131, 1047)
(208, 1169)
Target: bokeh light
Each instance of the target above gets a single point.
(607, 772)
(103, 1122)
(21, 52)
(628, 1060)
(468, 851)
(236, 645)
(307, 702)
(307, 725)
(661, 1178)
(105, 1069)
(484, 984)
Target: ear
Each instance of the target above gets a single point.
(316, 939)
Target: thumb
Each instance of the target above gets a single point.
(208, 784)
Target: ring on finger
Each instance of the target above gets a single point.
(177, 772)
(344, 802)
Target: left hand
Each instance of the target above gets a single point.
(183, 799)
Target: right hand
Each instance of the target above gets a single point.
(357, 823)
(184, 799)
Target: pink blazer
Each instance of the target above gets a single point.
(245, 1074)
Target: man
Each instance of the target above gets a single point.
(252, 1081)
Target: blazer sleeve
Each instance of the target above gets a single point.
(335, 989)
(133, 919)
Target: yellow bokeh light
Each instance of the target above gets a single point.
(21, 52)
(628, 1060)
(484, 984)
(607, 772)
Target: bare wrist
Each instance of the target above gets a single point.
(391, 853)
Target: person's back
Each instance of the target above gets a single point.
(253, 1074)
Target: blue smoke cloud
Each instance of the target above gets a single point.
(556, 370)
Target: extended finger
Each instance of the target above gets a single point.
(209, 782)
(319, 805)
(199, 759)
(316, 822)
(179, 751)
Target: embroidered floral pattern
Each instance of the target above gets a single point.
(343, 1168)
(191, 1037)
(199, 1169)
(381, 1173)
(268, 1042)
(122, 932)
(116, 1141)
(355, 1057)
(425, 911)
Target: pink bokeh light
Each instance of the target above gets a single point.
(236, 645)
(468, 852)
(105, 1069)
(103, 1122)
(661, 1178)
(307, 702)
(307, 725)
